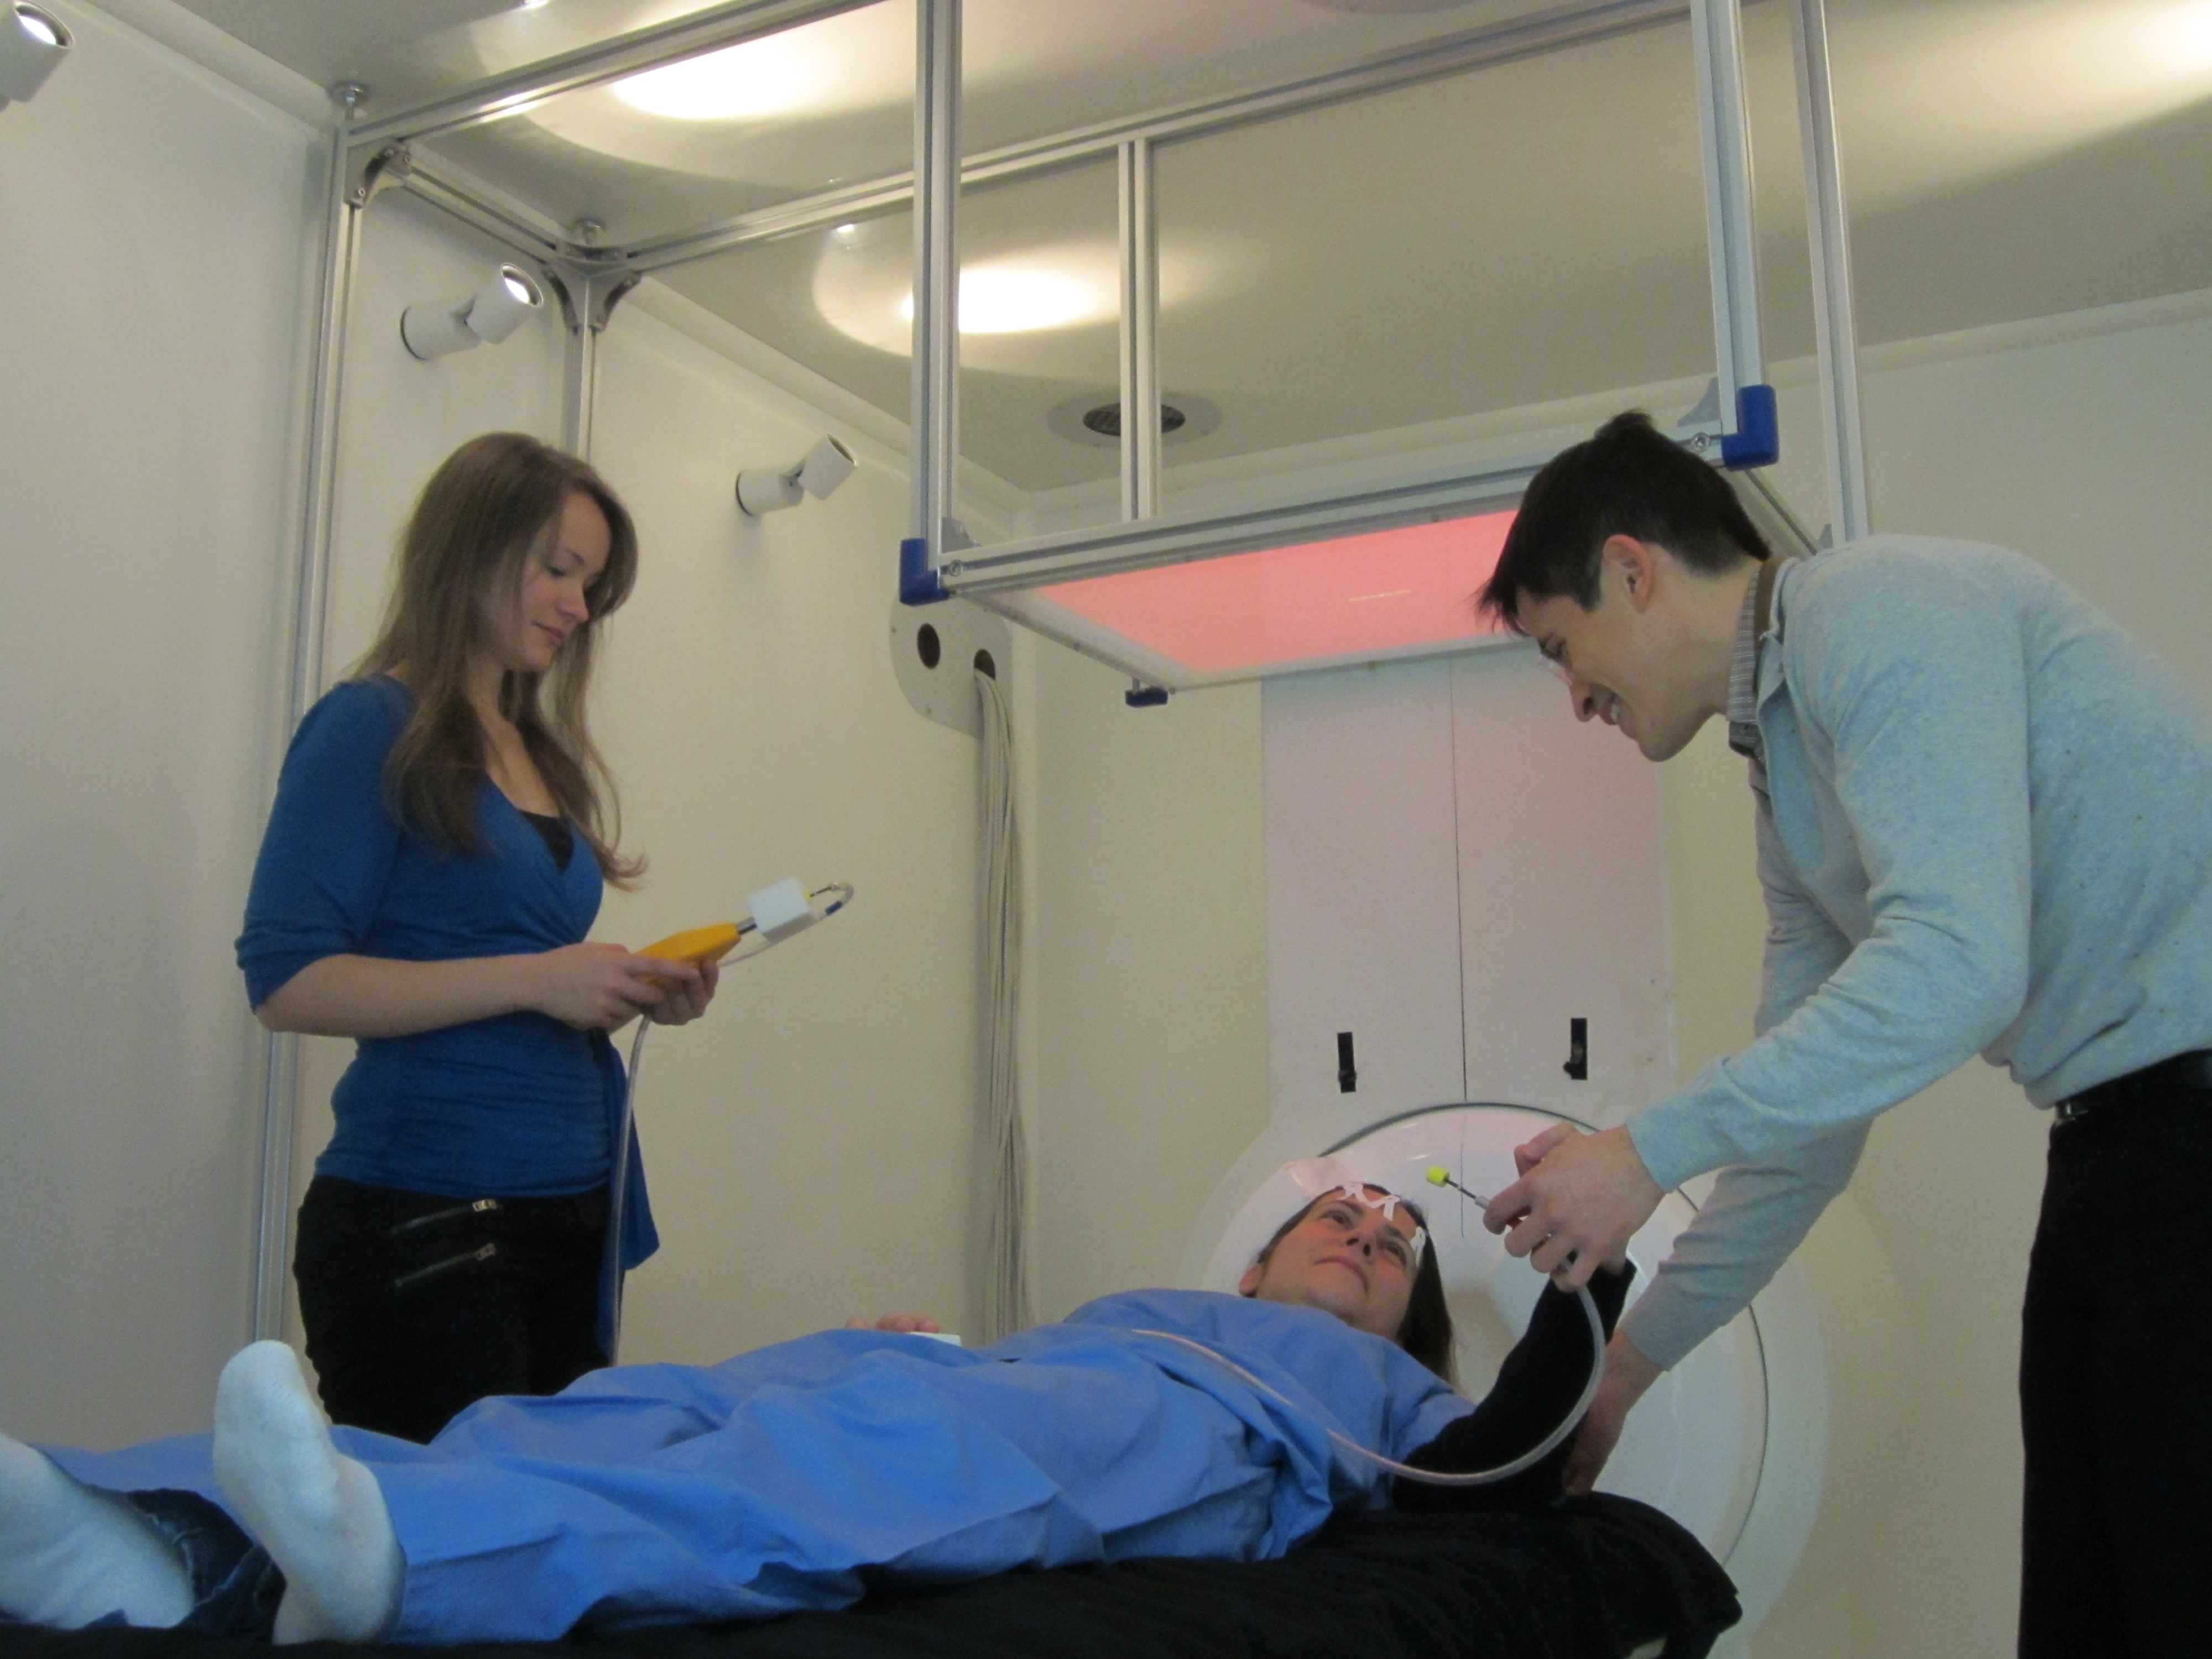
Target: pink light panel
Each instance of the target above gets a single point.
(1388, 590)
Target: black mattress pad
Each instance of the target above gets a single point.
(1595, 1577)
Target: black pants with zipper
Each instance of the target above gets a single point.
(417, 1304)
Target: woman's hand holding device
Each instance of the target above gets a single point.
(602, 987)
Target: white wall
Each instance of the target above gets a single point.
(154, 236)
(809, 1143)
(1150, 941)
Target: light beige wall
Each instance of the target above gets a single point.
(154, 237)
(809, 1143)
(1150, 934)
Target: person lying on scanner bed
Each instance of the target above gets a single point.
(796, 1475)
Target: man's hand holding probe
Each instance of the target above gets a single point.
(1579, 1200)
(1579, 1204)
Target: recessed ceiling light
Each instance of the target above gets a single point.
(737, 84)
(1009, 300)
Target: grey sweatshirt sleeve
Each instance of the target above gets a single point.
(1910, 684)
(1757, 1213)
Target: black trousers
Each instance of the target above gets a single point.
(2116, 1388)
(417, 1304)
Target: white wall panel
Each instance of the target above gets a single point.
(812, 1143)
(1562, 893)
(1362, 895)
(154, 239)
(1455, 870)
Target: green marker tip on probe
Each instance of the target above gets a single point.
(1440, 1177)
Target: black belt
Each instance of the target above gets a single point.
(2183, 1075)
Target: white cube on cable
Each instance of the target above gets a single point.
(781, 910)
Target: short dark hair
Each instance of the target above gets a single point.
(1626, 480)
(1427, 1331)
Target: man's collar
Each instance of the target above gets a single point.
(1752, 624)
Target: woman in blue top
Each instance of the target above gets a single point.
(442, 832)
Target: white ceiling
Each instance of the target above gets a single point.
(1524, 232)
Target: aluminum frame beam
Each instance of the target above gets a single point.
(1731, 237)
(1140, 331)
(1552, 30)
(1188, 538)
(934, 450)
(1851, 503)
(272, 1260)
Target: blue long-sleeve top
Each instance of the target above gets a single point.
(518, 1105)
(1984, 825)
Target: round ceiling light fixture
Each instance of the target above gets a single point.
(1385, 8)
(1017, 300)
(739, 84)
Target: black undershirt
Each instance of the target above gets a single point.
(560, 839)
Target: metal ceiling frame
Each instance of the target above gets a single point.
(368, 157)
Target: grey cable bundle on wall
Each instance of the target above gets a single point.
(1007, 1306)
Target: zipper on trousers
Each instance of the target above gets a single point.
(484, 1254)
(477, 1207)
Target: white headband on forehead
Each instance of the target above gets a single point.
(1317, 1177)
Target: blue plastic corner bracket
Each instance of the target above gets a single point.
(1757, 439)
(918, 583)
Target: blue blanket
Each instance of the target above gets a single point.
(795, 1476)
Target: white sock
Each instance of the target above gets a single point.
(70, 1554)
(318, 1513)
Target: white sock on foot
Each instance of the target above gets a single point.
(318, 1513)
(70, 1554)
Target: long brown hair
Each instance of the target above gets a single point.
(1426, 1332)
(494, 503)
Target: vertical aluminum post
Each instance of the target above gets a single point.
(580, 396)
(1851, 507)
(1717, 27)
(936, 407)
(1140, 337)
(280, 1083)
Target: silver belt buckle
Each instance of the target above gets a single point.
(2069, 1109)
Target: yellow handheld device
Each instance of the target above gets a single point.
(697, 944)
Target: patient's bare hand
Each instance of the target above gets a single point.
(1628, 1374)
(908, 1322)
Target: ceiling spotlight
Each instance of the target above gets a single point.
(32, 43)
(491, 313)
(770, 489)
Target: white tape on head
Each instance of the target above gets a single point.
(1318, 1176)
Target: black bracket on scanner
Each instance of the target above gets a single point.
(1578, 1066)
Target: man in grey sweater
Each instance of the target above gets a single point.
(1984, 822)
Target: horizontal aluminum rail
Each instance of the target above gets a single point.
(1551, 30)
(1182, 538)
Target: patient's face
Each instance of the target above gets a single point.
(1345, 1259)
